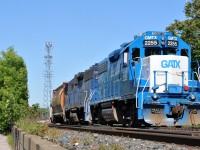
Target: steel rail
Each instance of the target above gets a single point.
(183, 138)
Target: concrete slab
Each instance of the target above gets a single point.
(4, 143)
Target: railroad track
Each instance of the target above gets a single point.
(181, 136)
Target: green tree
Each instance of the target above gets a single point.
(13, 87)
(36, 106)
(189, 29)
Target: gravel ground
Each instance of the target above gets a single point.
(74, 140)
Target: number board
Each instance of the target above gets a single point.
(172, 43)
(150, 42)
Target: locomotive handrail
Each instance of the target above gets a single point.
(197, 76)
(131, 71)
(136, 101)
(143, 91)
(85, 100)
(91, 94)
(89, 97)
(166, 72)
(182, 74)
(198, 71)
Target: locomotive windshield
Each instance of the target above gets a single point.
(150, 51)
(158, 51)
(169, 51)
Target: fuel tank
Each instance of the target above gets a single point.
(58, 99)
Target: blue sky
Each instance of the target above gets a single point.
(82, 32)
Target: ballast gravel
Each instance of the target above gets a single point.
(75, 140)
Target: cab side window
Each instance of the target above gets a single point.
(184, 52)
(125, 58)
(135, 55)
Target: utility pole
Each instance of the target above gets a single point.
(48, 74)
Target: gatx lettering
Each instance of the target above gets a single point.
(150, 37)
(172, 38)
(170, 63)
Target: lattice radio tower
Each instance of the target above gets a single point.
(48, 74)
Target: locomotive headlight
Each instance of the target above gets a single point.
(155, 96)
(192, 97)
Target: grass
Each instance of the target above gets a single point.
(111, 147)
(88, 140)
(32, 126)
(191, 127)
(10, 140)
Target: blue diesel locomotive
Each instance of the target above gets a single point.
(148, 81)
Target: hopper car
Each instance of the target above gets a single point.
(57, 106)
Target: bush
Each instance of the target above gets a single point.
(13, 88)
(30, 124)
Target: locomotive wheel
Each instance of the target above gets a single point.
(51, 119)
(88, 123)
(110, 124)
(124, 125)
(64, 118)
(59, 119)
(100, 119)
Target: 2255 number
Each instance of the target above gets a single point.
(150, 42)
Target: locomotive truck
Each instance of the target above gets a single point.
(148, 81)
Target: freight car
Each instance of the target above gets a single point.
(57, 108)
(148, 81)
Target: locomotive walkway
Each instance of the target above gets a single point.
(4, 143)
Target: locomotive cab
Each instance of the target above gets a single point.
(166, 93)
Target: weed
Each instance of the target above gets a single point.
(32, 126)
(53, 133)
(103, 147)
(191, 127)
(10, 140)
(43, 130)
(116, 147)
(111, 147)
(74, 140)
(88, 140)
